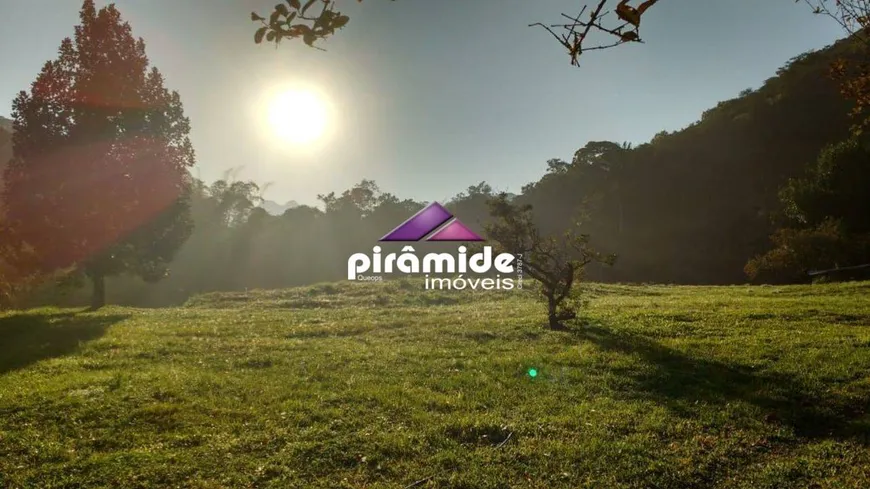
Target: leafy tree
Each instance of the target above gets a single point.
(557, 166)
(797, 251)
(587, 183)
(835, 186)
(299, 21)
(557, 264)
(361, 199)
(825, 216)
(99, 177)
(391, 210)
(472, 205)
(601, 170)
(234, 201)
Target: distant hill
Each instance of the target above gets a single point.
(277, 209)
(692, 206)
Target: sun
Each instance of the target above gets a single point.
(298, 116)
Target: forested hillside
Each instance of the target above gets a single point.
(688, 207)
(693, 205)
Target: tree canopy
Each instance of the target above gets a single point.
(98, 180)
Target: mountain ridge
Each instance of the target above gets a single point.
(277, 209)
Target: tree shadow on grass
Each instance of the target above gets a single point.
(678, 381)
(26, 338)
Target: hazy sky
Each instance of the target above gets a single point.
(431, 96)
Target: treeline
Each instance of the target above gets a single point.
(694, 206)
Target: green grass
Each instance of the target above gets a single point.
(382, 385)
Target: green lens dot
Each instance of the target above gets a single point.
(533, 372)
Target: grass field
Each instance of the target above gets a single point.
(385, 385)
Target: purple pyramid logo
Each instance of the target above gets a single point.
(432, 219)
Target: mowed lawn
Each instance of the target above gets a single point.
(385, 385)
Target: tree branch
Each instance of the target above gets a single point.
(578, 31)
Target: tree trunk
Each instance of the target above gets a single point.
(551, 311)
(98, 296)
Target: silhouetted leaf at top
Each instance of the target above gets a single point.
(322, 21)
(255, 17)
(258, 36)
(309, 38)
(341, 21)
(295, 4)
(281, 9)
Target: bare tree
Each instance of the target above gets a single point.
(556, 263)
(575, 31)
(852, 15)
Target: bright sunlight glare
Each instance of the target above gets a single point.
(298, 116)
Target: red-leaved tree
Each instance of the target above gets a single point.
(99, 180)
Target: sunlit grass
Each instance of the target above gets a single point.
(383, 385)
